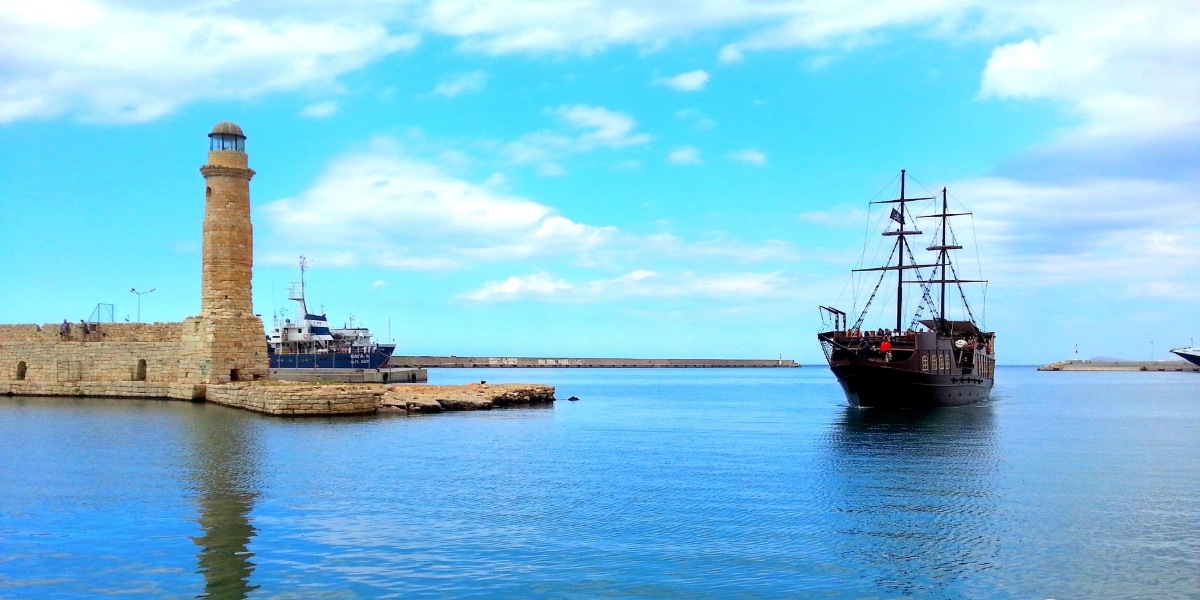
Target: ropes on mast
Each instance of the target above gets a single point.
(961, 293)
(925, 299)
(863, 315)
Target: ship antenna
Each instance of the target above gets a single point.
(303, 265)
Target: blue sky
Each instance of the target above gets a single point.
(609, 177)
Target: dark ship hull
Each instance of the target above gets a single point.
(377, 358)
(871, 386)
(924, 370)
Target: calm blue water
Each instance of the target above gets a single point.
(659, 483)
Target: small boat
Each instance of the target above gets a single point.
(928, 362)
(1191, 355)
(309, 342)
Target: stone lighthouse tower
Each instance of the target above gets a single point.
(226, 342)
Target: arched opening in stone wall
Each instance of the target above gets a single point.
(207, 192)
(21, 371)
(233, 374)
(140, 375)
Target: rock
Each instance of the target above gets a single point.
(418, 399)
(573, 399)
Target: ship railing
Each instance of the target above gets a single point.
(853, 338)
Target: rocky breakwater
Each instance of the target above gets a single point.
(287, 398)
(416, 399)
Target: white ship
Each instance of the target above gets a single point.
(1191, 355)
(308, 342)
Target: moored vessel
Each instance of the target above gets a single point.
(308, 342)
(930, 362)
(1191, 355)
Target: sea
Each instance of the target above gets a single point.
(655, 483)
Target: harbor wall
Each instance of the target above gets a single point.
(385, 375)
(618, 363)
(160, 390)
(297, 399)
(1122, 365)
(109, 353)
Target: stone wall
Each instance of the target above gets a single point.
(109, 353)
(108, 389)
(100, 332)
(298, 399)
(222, 350)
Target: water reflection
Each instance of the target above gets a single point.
(224, 471)
(912, 496)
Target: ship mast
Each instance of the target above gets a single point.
(943, 262)
(900, 248)
(298, 295)
(943, 258)
(900, 258)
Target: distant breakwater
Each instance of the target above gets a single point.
(561, 363)
(1122, 365)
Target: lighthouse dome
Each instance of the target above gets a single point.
(227, 127)
(226, 135)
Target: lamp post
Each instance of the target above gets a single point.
(139, 295)
(1151, 350)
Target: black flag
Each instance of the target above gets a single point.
(897, 216)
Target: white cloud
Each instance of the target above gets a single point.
(699, 120)
(1124, 68)
(730, 54)
(750, 156)
(379, 283)
(384, 209)
(576, 26)
(685, 155)
(1134, 235)
(640, 283)
(116, 63)
(591, 128)
(320, 110)
(379, 207)
(467, 83)
(604, 127)
(839, 217)
(538, 285)
(692, 81)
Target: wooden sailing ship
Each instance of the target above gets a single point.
(931, 362)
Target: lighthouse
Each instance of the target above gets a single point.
(228, 242)
(226, 342)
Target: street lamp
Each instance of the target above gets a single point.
(139, 295)
(1151, 350)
